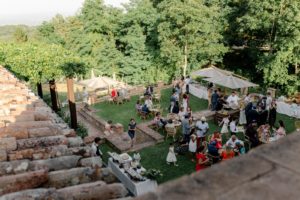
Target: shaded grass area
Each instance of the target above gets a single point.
(124, 112)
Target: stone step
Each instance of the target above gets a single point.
(19, 118)
(34, 194)
(53, 164)
(41, 142)
(49, 152)
(14, 167)
(98, 190)
(28, 180)
(17, 132)
(8, 144)
(34, 124)
(41, 132)
(65, 178)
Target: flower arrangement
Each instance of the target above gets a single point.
(152, 174)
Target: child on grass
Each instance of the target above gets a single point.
(171, 157)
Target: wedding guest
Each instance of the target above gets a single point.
(272, 114)
(131, 130)
(228, 153)
(201, 159)
(202, 129)
(171, 157)
(214, 100)
(280, 132)
(225, 123)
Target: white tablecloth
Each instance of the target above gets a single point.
(287, 109)
(198, 91)
(136, 188)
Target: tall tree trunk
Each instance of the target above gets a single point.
(53, 95)
(72, 105)
(39, 89)
(185, 60)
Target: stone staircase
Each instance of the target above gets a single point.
(40, 156)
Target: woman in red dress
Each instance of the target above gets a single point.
(228, 153)
(201, 158)
(114, 93)
(217, 137)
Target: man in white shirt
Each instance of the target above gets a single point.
(149, 103)
(202, 128)
(233, 141)
(233, 100)
(232, 126)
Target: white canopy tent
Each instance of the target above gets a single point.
(100, 83)
(231, 82)
(211, 72)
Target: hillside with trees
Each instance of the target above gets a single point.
(160, 40)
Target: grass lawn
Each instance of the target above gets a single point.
(122, 113)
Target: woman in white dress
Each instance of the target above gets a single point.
(185, 103)
(171, 157)
(225, 123)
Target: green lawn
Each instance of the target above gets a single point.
(122, 113)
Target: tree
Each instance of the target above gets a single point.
(190, 33)
(70, 69)
(20, 35)
(272, 36)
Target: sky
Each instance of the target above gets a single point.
(34, 12)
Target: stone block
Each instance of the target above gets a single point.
(84, 151)
(34, 194)
(8, 144)
(40, 132)
(33, 124)
(75, 141)
(91, 162)
(41, 142)
(53, 164)
(21, 154)
(18, 133)
(28, 180)
(3, 155)
(97, 190)
(68, 132)
(13, 167)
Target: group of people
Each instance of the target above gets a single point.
(217, 100)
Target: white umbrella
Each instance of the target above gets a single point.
(211, 72)
(100, 82)
(231, 82)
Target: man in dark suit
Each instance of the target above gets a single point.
(214, 100)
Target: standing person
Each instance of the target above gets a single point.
(233, 100)
(185, 123)
(232, 127)
(187, 84)
(114, 93)
(202, 129)
(272, 115)
(171, 157)
(131, 130)
(185, 102)
(193, 145)
(268, 101)
(225, 123)
(201, 158)
(96, 152)
(214, 100)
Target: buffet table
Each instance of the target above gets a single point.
(287, 109)
(135, 187)
(198, 91)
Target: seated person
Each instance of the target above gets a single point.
(280, 132)
(149, 103)
(213, 151)
(174, 97)
(149, 91)
(174, 107)
(217, 137)
(201, 160)
(159, 121)
(232, 141)
(114, 93)
(138, 105)
(233, 100)
(170, 124)
(239, 149)
(228, 153)
(108, 129)
(264, 132)
(145, 109)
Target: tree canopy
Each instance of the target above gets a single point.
(154, 40)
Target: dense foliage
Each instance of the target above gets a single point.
(161, 39)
